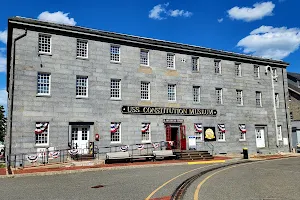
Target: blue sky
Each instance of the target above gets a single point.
(263, 28)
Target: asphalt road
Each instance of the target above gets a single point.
(270, 180)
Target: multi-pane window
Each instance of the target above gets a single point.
(42, 135)
(219, 95)
(258, 99)
(145, 91)
(170, 60)
(238, 69)
(144, 57)
(279, 133)
(239, 97)
(146, 132)
(44, 43)
(171, 92)
(291, 116)
(115, 88)
(195, 64)
(81, 86)
(43, 83)
(198, 132)
(256, 71)
(218, 69)
(115, 53)
(116, 134)
(82, 48)
(221, 136)
(84, 134)
(74, 133)
(196, 94)
(277, 100)
(242, 136)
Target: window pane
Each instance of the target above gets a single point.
(82, 47)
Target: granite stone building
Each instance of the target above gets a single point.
(70, 85)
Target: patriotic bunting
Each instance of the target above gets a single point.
(40, 127)
(198, 128)
(221, 128)
(53, 155)
(73, 152)
(114, 127)
(243, 128)
(124, 148)
(171, 142)
(155, 145)
(140, 146)
(145, 127)
(32, 158)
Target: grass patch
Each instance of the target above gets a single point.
(2, 165)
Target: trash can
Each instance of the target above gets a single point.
(245, 153)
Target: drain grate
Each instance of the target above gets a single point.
(98, 186)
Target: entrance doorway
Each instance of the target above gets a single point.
(260, 137)
(175, 136)
(80, 138)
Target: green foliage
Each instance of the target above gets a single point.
(2, 123)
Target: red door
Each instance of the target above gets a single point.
(182, 137)
(168, 135)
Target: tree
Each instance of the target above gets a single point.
(2, 123)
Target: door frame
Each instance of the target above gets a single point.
(84, 151)
(265, 135)
(174, 125)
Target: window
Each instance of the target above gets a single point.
(145, 91)
(146, 132)
(221, 132)
(279, 133)
(198, 132)
(218, 69)
(219, 95)
(82, 48)
(196, 94)
(74, 134)
(277, 100)
(242, 129)
(256, 71)
(258, 99)
(115, 53)
(274, 72)
(42, 133)
(43, 83)
(238, 70)
(44, 43)
(195, 64)
(144, 57)
(239, 97)
(171, 92)
(81, 86)
(115, 130)
(170, 61)
(291, 116)
(115, 88)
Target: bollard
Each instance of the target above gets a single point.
(245, 153)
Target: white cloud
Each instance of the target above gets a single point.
(57, 17)
(270, 42)
(259, 11)
(220, 20)
(3, 36)
(160, 12)
(3, 97)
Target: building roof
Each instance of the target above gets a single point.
(117, 37)
(295, 77)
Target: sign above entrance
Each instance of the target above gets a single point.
(144, 110)
(179, 121)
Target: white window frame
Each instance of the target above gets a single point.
(44, 35)
(48, 131)
(171, 85)
(218, 66)
(148, 132)
(168, 62)
(147, 91)
(260, 100)
(87, 86)
(221, 96)
(238, 70)
(223, 138)
(198, 89)
(277, 100)
(87, 48)
(49, 84)
(239, 95)
(279, 132)
(120, 133)
(198, 135)
(242, 135)
(119, 89)
(145, 51)
(195, 68)
(256, 72)
(110, 53)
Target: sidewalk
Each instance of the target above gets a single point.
(73, 167)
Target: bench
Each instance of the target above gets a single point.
(118, 156)
(164, 154)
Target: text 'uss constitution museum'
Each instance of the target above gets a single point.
(69, 86)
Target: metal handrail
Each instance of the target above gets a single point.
(211, 146)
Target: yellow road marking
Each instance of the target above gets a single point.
(206, 162)
(163, 185)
